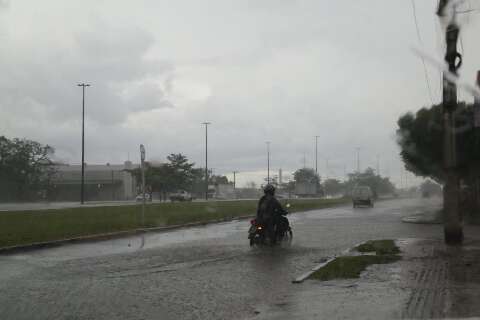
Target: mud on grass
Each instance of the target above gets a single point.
(348, 267)
(380, 247)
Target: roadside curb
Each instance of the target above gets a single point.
(111, 235)
(423, 219)
(307, 274)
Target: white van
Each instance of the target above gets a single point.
(362, 195)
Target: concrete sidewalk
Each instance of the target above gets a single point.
(431, 281)
(442, 281)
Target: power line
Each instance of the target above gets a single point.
(414, 10)
(427, 79)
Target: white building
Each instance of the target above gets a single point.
(102, 182)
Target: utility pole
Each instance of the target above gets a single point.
(453, 228)
(304, 160)
(142, 161)
(378, 165)
(234, 179)
(358, 159)
(326, 168)
(316, 154)
(206, 159)
(476, 115)
(268, 162)
(476, 106)
(82, 187)
(326, 178)
(235, 183)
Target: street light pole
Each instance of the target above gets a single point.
(82, 187)
(316, 154)
(234, 179)
(268, 162)
(358, 159)
(326, 168)
(378, 165)
(142, 161)
(206, 159)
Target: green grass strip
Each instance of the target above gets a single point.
(386, 251)
(25, 227)
(350, 266)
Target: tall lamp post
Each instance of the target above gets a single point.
(358, 159)
(142, 161)
(206, 159)
(82, 187)
(268, 162)
(235, 183)
(316, 154)
(234, 179)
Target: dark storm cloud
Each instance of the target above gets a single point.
(110, 59)
(275, 70)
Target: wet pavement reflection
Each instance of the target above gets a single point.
(207, 272)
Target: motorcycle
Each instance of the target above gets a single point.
(258, 235)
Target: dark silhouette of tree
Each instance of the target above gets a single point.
(26, 168)
(176, 174)
(420, 137)
(379, 185)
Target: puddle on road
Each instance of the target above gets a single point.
(138, 242)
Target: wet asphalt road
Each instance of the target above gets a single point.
(198, 273)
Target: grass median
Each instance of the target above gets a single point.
(26, 227)
(347, 267)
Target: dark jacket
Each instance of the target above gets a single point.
(269, 207)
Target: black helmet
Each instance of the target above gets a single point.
(269, 189)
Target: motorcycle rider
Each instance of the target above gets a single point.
(269, 212)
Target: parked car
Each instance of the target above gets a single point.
(139, 198)
(181, 196)
(362, 195)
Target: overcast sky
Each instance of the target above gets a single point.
(276, 70)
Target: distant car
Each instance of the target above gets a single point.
(362, 195)
(181, 196)
(139, 198)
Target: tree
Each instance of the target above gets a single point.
(251, 185)
(307, 182)
(306, 175)
(420, 137)
(26, 168)
(176, 174)
(198, 182)
(379, 185)
(333, 187)
(219, 180)
(181, 171)
(429, 188)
